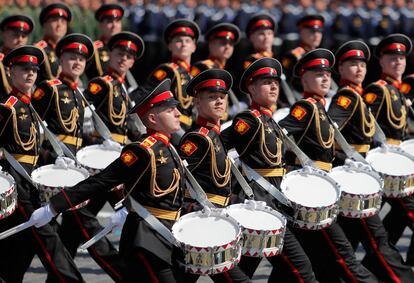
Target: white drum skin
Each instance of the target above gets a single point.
(314, 197)
(396, 168)
(263, 228)
(361, 191)
(8, 195)
(210, 241)
(96, 157)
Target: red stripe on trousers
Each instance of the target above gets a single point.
(293, 268)
(43, 247)
(339, 257)
(228, 277)
(147, 265)
(92, 249)
(410, 214)
(378, 253)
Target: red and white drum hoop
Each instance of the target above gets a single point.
(8, 195)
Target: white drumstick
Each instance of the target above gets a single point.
(108, 228)
(16, 229)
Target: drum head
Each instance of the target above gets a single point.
(356, 182)
(280, 114)
(199, 230)
(390, 162)
(408, 146)
(6, 182)
(97, 156)
(255, 219)
(54, 176)
(309, 190)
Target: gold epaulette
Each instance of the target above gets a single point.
(11, 101)
(148, 142)
(54, 82)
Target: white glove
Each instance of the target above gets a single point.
(64, 162)
(41, 216)
(110, 144)
(119, 217)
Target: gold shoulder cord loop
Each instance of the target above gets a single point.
(156, 191)
(395, 121)
(116, 119)
(31, 142)
(264, 150)
(69, 125)
(215, 173)
(328, 143)
(367, 125)
(185, 101)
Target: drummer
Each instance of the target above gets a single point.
(356, 123)
(257, 140)
(61, 105)
(153, 178)
(202, 148)
(20, 136)
(332, 255)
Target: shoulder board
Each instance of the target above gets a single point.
(1, 57)
(381, 83)
(256, 113)
(311, 100)
(172, 65)
(98, 44)
(405, 88)
(54, 82)
(298, 52)
(208, 63)
(148, 142)
(203, 131)
(11, 101)
(195, 71)
(41, 44)
(107, 78)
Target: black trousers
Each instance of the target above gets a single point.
(234, 275)
(332, 256)
(398, 218)
(18, 250)
(382, 258)
(292, 265)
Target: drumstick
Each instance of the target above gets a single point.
(16, 229)
(108, 228)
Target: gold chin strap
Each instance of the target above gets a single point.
(395, 121)
(31, 142)
(329, 142)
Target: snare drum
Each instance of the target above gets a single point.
(263, 228)
(314, 197)
(51, 179)
(361, 191)
(210, 241)
(8, 195)
(397, 169)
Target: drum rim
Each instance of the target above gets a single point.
(375, 175)
(12, 183)
(44, 167)
(394, 149)
(92, 147)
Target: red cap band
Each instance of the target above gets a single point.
(57, 12)
(312, 23)
(262, 71)
(225, 34)
(116, 13)
(128, 44)
(76, 45)
(19, 24)
(24, 59)
(315, 63)
(151, 103)
(352, 53)
(210, 83)
(261, 23)
(394, 47)
(185, 30)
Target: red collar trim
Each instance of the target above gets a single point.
(315, 96)
(50, 42)
(24, 97)
(159, 136)
(391, 80)
(67, 80)
(264, 110)
(115, 75)
(182, 64)
(201, 121)
(357, 88)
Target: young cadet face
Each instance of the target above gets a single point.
(264, 91)
(353, 71)
(393, 65)
(310, 37)
(182, 47)
(317, 82)
(211, 105)
(221, 49)
(262, 39)
(72, 64)
(164, 119)
(23, 77)
(13, 39)
(110, 27)
(55, 27)
(121, 60)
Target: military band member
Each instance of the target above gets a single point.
(54, 19)
(15, 32)
(20, 136)
(258, 142)
(154, 178)
(181, 37)
(203, 149)
(329, 250)
(356, 123)
(221, 41)
(109, 17)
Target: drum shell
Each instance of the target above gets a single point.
(8, 198)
